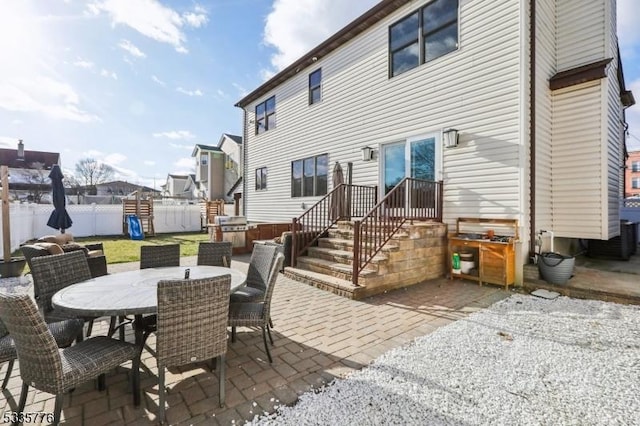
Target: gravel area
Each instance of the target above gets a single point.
(522, 361)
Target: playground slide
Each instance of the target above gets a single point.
(135, 227)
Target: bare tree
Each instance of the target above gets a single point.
(91, 172)
(37, 182)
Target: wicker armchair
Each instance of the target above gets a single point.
(53, 273)
(64, 333)
(262, 259)
(192, 326)
(50, 369)
(159, 256)
(215, 253)
(257, 314)
(94, 253)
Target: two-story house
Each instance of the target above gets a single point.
(219, 168)
(632, 175)
(29, 173)
(533, 90)
(180, 186)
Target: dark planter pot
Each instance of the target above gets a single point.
(13, 268)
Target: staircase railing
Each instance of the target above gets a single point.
(411, 199)
(342, 203)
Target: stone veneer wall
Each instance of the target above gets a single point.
(419, 255)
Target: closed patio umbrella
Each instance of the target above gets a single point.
(337, 199)
(59, 218)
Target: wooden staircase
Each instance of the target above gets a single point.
(402, 261)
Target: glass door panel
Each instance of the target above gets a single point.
(422, 159)
(394, 165)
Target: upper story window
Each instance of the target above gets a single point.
(315, 83)
(635, 183)
(204, 159)
(309, 176)
(424, 35)
(261, 179)
(635, 166)
(266, 115)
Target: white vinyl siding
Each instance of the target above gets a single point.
(580, 32)
(578, 155)
(475, 89)
(545, 69)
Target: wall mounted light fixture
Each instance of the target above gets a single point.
(450, 138)
(367, 153)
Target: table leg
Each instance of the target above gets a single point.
(139, 330)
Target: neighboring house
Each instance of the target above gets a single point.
(218, 168)
(180, 186)
(632, 175)
(539, 115)
(29, 173)
(108, 192)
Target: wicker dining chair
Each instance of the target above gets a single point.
(257, 314)
(217, 253)
(159, 256)
(64, 333)
(192, 326)
(49, 369)
(262, 259)
(53, 273)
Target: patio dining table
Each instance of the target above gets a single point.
(131, 292)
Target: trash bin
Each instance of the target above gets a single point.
(556, 268)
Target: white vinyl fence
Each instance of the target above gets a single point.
(29, 221)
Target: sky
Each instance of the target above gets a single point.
(136, 84)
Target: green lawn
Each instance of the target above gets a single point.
(119, 249)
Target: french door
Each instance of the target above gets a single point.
(417, 157)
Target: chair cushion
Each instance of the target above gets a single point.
(52, 248)
(58, 239)
(72, 246)
(247, 294)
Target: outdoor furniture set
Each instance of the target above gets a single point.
(188, 309)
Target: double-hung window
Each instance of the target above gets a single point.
(266, 115)
(635, 183)
(425, 35)
(204, 159)
(315, 83)
(261, 179)
(309, 176)
(635, 166)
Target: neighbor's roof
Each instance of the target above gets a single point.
(9, 157)
(237, 139)
(204, 148)
(352, 30)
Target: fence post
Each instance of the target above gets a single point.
(356, 252)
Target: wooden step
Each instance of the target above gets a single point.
(335, 285)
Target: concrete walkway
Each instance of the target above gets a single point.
(318, 337)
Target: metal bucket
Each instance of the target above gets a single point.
(556, 268)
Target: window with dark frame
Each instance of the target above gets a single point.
(635, 183)
(204, 159)
(315, 86)
(261, 179)
(635, 166)
(266, 115)
(423, 36)
(309, 176)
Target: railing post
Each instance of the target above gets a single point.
(294, 240)
(356, 252)
(440, 187)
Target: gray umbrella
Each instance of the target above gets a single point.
(337, 199)
(59, 218)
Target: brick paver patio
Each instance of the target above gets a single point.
(318, 336)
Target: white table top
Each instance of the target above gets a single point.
(131, 292)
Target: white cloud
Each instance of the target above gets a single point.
(152, 19)
(17, 122)
(9, 142)
(181, 146)
(185, 163)
(175, 134)
(287, 26)
(131, 48)
(196, 92)
(241, 90)
(80, 63)
(157, 80)
(44, 95)
(628, 28)
(115, 158)
(107, 73)
(149, 163)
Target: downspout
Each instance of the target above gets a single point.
(244, 162)
(532, 127)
